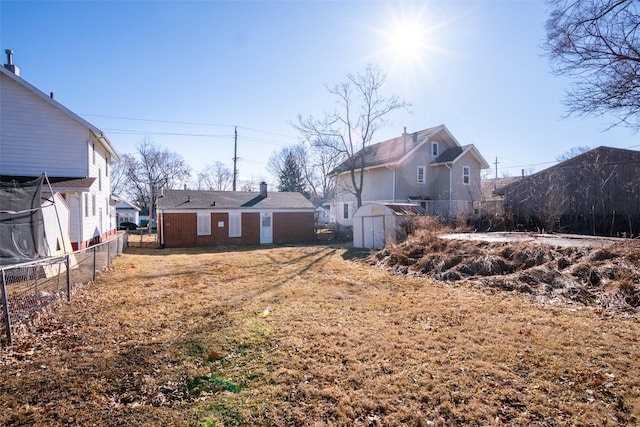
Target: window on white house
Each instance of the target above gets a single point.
(434, 149)
(94, 154)
(204, 224)
(93, 204)
(106, 166)
(466, 174)
(421, 174)
(86, 204)
(99, 179)
(235, 224)
(345, 211)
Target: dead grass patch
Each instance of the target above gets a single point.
(182, 338)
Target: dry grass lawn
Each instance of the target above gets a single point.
(183, 338)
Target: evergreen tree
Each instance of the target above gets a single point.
(290, 176)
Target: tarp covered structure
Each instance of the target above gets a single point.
(22, 233)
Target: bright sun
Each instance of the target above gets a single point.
(409, 39)
(407, 42)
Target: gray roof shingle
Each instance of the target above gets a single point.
(199, 199)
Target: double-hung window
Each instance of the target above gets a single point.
(466, 174)
(235, 224)
(422, 174)
(204, 224)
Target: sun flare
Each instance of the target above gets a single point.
(407, 41)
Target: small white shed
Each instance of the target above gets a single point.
(57, 224)
(376, 224)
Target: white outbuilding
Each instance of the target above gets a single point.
(377, 224)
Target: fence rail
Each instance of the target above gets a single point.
(29, 288)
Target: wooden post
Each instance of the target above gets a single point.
(94, 263)
(68, 264)
(5, 305)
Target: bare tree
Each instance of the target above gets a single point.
(597, 44)
(215, 176)
(572, 152)
(120, 184)
(360, 112)
(152, 170)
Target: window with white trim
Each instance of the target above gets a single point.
(204, 224)
(466, 174)
(235, 224)
(435, 149)
(421, 174)
(345, 210)
(86, 204)
(93, 205)
(99, 179)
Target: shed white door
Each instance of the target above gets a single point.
(373, 231)
(266, 228)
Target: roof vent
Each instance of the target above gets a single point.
(9, 65)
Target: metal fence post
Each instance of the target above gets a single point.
(95, 262)
(68, 265)
(5, 305)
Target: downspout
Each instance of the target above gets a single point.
(393, 190)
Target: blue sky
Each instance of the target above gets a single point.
(184, 73)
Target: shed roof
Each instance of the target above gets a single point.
(199, 199)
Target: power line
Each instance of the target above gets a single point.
(189, 124)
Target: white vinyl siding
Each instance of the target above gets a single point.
(204, 224)
(421, 178)
(29, 126)
(235, 224)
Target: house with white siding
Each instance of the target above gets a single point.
(39, 135)
(428, 168)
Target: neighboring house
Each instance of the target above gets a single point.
(205, 218)
(429, 168)
(492, 196)
(377, 224)
(39, 135)
(126, 212)
(597, 192)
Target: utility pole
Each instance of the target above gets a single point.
(495, 183)
(235, 158)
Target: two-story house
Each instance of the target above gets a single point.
(429, 168)
(39, 135)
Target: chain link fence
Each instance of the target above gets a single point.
(30, 288)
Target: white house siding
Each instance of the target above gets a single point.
(466, 192)
(36, 137)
